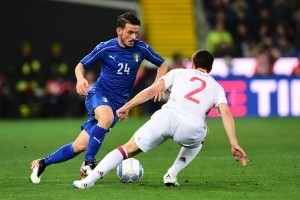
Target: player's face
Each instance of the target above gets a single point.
(127, 36)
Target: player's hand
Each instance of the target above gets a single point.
(239, 154)
(82, 87)
(122, 113)
(159, 96)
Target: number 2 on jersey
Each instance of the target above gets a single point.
(197, 90)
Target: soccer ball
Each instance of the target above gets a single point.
(130, 170)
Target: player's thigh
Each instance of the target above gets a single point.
(152, 133)
(104, 115)
(131, 147)
(100, 108)
(189, 134)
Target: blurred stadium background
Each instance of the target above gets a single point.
(256, 44)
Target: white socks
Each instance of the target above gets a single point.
(112, 159)
(184, 157)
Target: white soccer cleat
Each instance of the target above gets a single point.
(38, 167)
(33, 177)
(170, 181)
(82, 184)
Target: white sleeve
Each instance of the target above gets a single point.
(169, 77)
(221, 97)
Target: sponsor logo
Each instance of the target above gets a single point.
(114, 58)
(100, 173)
(99, 141)
(182, 159)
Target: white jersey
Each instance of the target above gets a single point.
(182, 118)
(193, 93)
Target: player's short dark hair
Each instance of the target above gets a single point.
(128, 17)
(203, 59)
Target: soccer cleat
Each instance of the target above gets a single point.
(38, 167)
(81, 184)
(87, 167)
(170, 181)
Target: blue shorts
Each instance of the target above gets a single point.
(92, 101)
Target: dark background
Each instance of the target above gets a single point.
(78, 27)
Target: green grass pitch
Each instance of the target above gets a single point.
(272, 144)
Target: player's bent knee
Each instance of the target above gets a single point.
(132, 149)
(104, 115)
(134, 152)
(78, 148)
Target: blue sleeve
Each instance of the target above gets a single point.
(93, 57)
(151, 55)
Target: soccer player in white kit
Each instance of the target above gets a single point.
(193, 93)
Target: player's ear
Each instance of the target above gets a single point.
(193, 65)
(119, 31)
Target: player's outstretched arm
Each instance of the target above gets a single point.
(82, 85)
(140, 98)
(228, 122)
(161, 70)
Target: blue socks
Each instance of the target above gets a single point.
(96, 138)
(67, 152)
(62, 154)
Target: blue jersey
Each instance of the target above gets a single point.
(119, 68)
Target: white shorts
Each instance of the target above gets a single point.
(167, 124)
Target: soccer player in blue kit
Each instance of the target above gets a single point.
(120, 58)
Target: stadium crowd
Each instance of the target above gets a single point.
(32, 88)
(264, 29)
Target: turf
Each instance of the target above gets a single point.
(272, 145)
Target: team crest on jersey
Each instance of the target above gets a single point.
(104, 99)
(136, 57)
